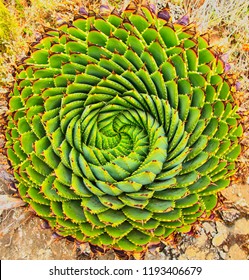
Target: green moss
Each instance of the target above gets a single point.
(8, 27)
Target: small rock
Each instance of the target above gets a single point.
(5, 176)
(236, 253)
(85, 248)
(194, 253)
(209, 228)
(223, 255)
(218, 239)
(221, 236)
(1, 143)
(225, 248)
(230, 215)
(241, 226)
(201, 240)
(242, 202)
(212, 256)
(221, 228)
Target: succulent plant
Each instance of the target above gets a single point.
(122, 128)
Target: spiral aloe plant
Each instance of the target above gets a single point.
(122, 128)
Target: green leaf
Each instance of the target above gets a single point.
(15, 160)
(192, 120)
(97, 38)
(41, 209)
(158, 80)
(215, 187)
(200, 185)
(183, 106)
(191, 210)
(209, 166)
(179, 134)
(171, 193)
(88, 230)
(40, 166)
(184, 87)
(105, 239)
(180, 66)
(150, 35)
(186, 179)
(113, 217)
(209, 201)
(64, 191)
(149, 225)
(23, 125)
(40, 56)
(64, 174)
(49, 191)
(197, 142)
(224, 91)
(18, 151)
(126, 245)
(192, 60)
(149, 62)
(194, 163)
(15, 103)
(133, 202)
(27, 141)
(116, 172)
(161, 185)
(197, 80)
(119, 231)
(169, 36)
(37, 196)
(168, 216)
(168, 231)
(234, 152)
(172, 93)
(117, 45)
(73, 210)
(50, 157)
(211, 127)
(93, 205)
(35, 176)
(224, 146)
(56, 208)
(135, 44)
(111, 202)
(168, 71)
(180, 147)
(169, 164)
(138, 238)
(159, 206)
(137, 214)
(142, 178)
(94, 220)
(187, 201)
(198, 98)
(108, 188)
(141, 195)
(139, 22)
(158, 53)
(205, 56)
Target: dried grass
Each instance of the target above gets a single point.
(227, 23)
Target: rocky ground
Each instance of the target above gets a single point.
(225, 236)
(24, 236)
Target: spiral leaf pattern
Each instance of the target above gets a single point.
(122, 129)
